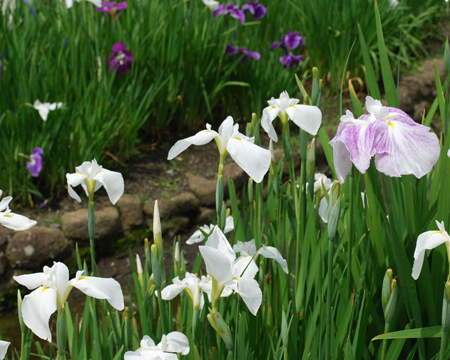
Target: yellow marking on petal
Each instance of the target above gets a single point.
(391, 124)
(83, 278)
(436, 232)
(44, 288)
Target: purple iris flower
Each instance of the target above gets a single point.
(256, 9)
(35, 164)
(65, 42)
(120, 59)
(235, 50)
(112, 7)
(231, 9)
(289, 41)
(400, 145)
(32, 12)
(291, 59)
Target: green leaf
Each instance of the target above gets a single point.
(421, 333)
(370, 73)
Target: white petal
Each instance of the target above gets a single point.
(3, 348)
(376, 108)
(217, 240)
(43, 112)
(226, 130)
(426, 241)
(16, 221)
(245, 267)
(201, 138)
(342, 162)
(37, 104)
(4, 203)
(229, 224)
(253, 159)
(75, 180)
(169, 292)
(31, 281)
(97, 3)
(250, 292)
(60, 279)
(37, 307)
(323, 210)
(271, 252)
(247, 248)
(100, 288)
(113, 183)
(196, 237)
(306, 117)
(268, 116)
(218, 266)
(177, 342)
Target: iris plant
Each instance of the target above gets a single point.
(400, 145)
(212, 4)
(92, 177)
(52, 289)
(198, 235)
(69, 3)
(112, 7)
(11, 220)
(235, 50)
(291, 41)
(306, 117)
(291, 59)
(255, 8)
(120, 59)
(35, 164)
(44, 108)
(174, 342)
(232, 10)
(254, 160)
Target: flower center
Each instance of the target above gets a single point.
(120, 58)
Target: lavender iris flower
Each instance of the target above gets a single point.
(35, 164)
(291, 59)
(256, 9)
(235, 50)
(400, 145)
(120, 59)
(32, 12)
(112, 7)
(291, 40)
(231, 9)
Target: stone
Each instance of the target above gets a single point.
(130, 209)
(235, 173)
(107, 223)
(3, 263)
(206, 216)
(204, 189)
(38, 246)
(3, 236)
(182, 203)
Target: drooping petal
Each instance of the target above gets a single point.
(113, 183)
(170, 291)
(426, 241)
(16, 221)
(3, 348)
(271, 252)
(268, 116)
(306, 117)
(245, 267)
(37, 307)
(100, 288)
(341, 157)
(247, 248)
(253, 159)
(31, 281)
(249, 291)
(5, 202)
(75, 180)
(177, 342)
(405, 149)
(217, 240)
(201, 138)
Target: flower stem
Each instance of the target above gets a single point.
(444, 343)
(219, 193)
(385, 341)
(91, 228)
(350, 233)
(61, 334)
(329, 298)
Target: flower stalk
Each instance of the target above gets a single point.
(445, 321)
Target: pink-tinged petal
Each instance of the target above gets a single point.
(268, 116)
(341, 157)
(113, 183)
(253, 159)
(306, 117)
(75, 180)
(100, 288)
(177, 342)
(37, 307)
(271, 252)
(426, 241)
(16, 222)
(406, 149)
(201, 138)
(3, 348)
(31, 281)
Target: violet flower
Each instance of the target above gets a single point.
(120, 59)
(231, 9)
(111, 7)
(400, 145)
(35, 164)
(291, 59)
(291, 40)
(256, 9)
(235, 50)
